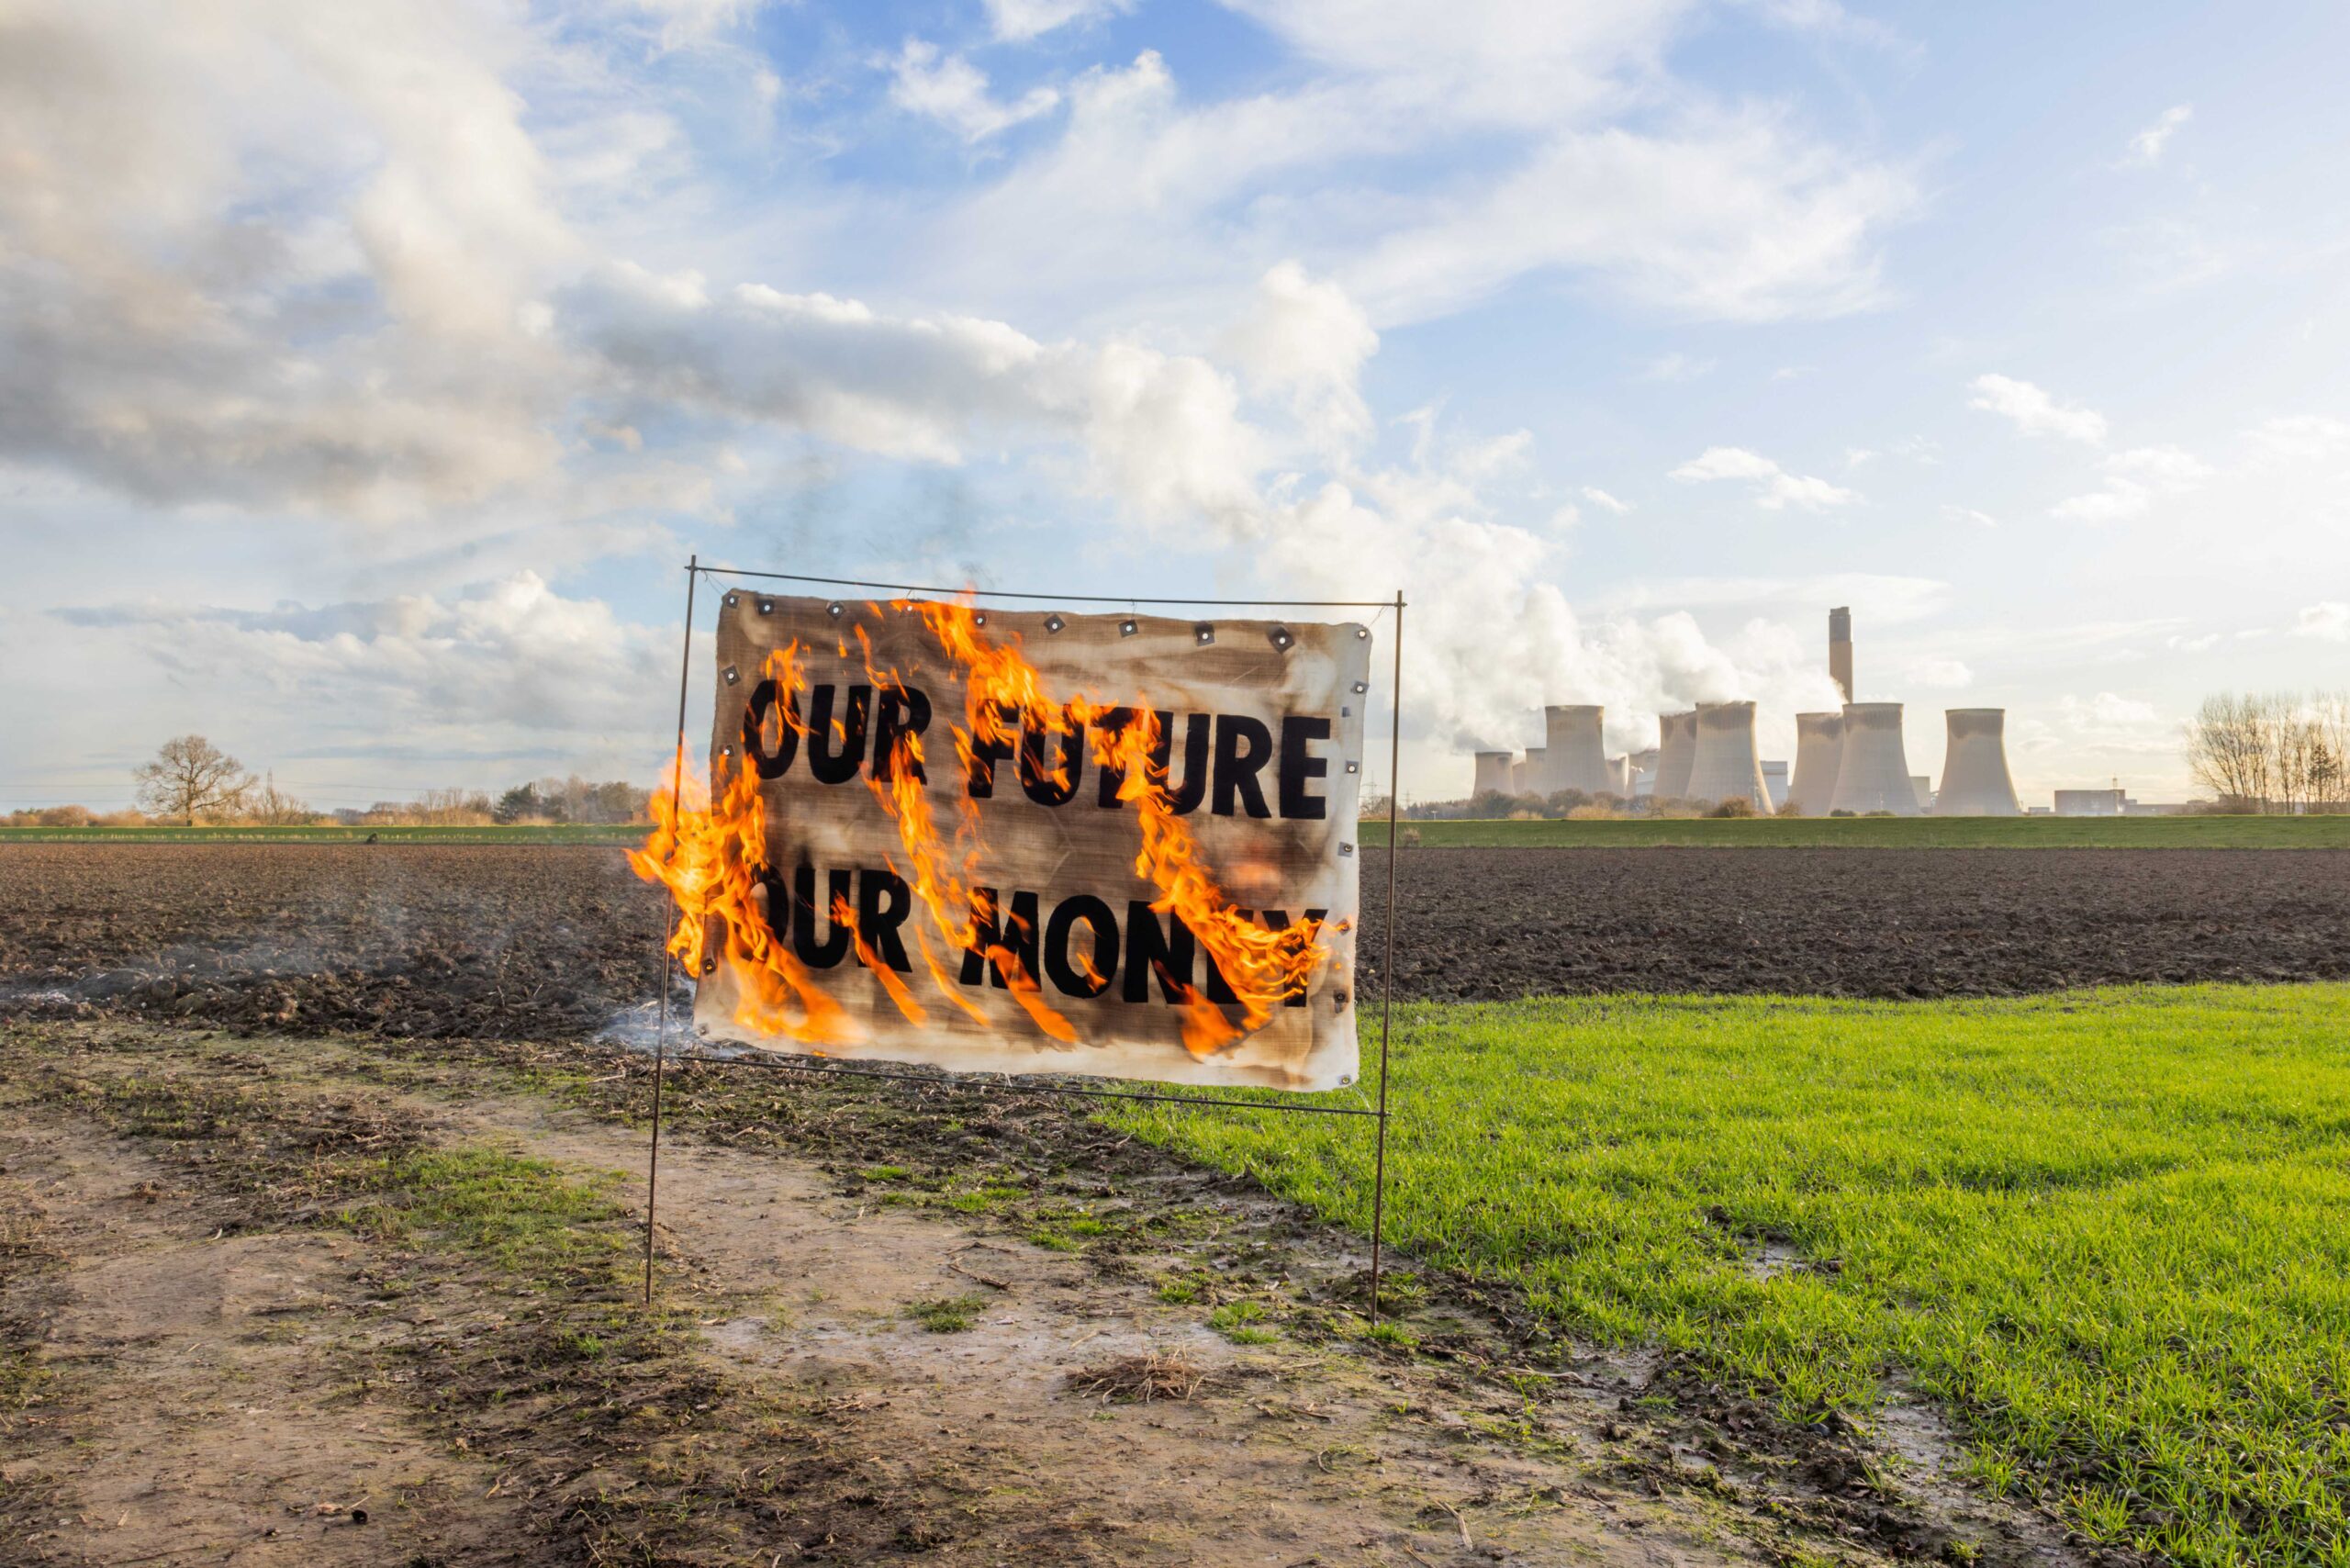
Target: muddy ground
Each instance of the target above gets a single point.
(552, 942)
(327, 1302)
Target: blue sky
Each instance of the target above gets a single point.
(366, 372)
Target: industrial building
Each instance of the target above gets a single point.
(1853, 762)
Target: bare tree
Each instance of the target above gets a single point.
(191, 778)
(2227, 750)
(273, 808)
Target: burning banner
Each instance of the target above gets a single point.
(1026, 841)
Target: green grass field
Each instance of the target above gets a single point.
(2109, 1232)
(581, 834)
(1895, 833)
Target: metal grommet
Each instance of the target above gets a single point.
(1281, 638)
(1346, 849)
(1361, 687)
(1203, 633)
(980, 617)
(1053, 623)
(1346, 1080)
(732, 599)
(710, 965)
(1128, 627)
(835, 608)
(1352, 768)
(1337, 1000)
(766, 606)
(728, 751)
(1362, 634)
(732, 675)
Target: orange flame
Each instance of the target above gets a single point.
(712, 856)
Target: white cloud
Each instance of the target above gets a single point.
(1940, 675)
(2298, 438)
(1565, 518)
(2034, 412)
(2134, 481)
(1731, 219)
(1970, 516)
(1304, 340)
(459, 673)
(1676, 366)
(1019, 20)
(952, 91)
(2192, 644)
(1600, 498)
(1773, 487)
(2328, 620)
(2146, 147)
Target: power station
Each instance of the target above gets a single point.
(1851, 762)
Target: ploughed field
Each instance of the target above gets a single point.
(551, 941)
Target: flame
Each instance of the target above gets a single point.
(712, 855)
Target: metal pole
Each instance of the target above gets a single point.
(661, 1037)
(1387, 966)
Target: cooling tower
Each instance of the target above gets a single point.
(1872, 773)
(1921, 785)
(1536, 780)
(1493, 773)
(1840, 649)
(1726, 766)
(1676, 749)
(1578, 757)
(1819, 750)
(1517, 777)
(1975, 766)
(1620, 776)
(1641, 768)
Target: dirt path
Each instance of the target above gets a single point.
(1283, 1454)
(835, 1371)
(195, 1411)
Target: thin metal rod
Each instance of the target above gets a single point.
(965, 1081)
(1387, 965)
(1056, 598)
(661, 1037)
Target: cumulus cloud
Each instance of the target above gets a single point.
(2033, 411)
(1969, 516)
(952, 91)
(1772, 485)
(1305, 339)
(1600, 498)
(2134, 481)
(2328, 620)
(509, 654)
(2146, 147)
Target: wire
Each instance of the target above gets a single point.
(1056, 598)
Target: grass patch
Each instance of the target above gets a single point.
(1889, 832)
(948, 1314)
(2110, 1230)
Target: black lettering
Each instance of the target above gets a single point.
(900, 712)
(1298, 732)
(1243, 747)
(1167, 951)
(778, 901)
(777, 763)
(1278, 920)
(980, 782)
(828, 765)
(835, 947)
(989, 934)
(1183, 800)
(1087, 980)
(882, 905)
(1112, 724)
(1044, 784)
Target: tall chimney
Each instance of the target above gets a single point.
(1839, 649)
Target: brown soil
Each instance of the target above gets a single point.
(552, 943)
(866, 1378)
